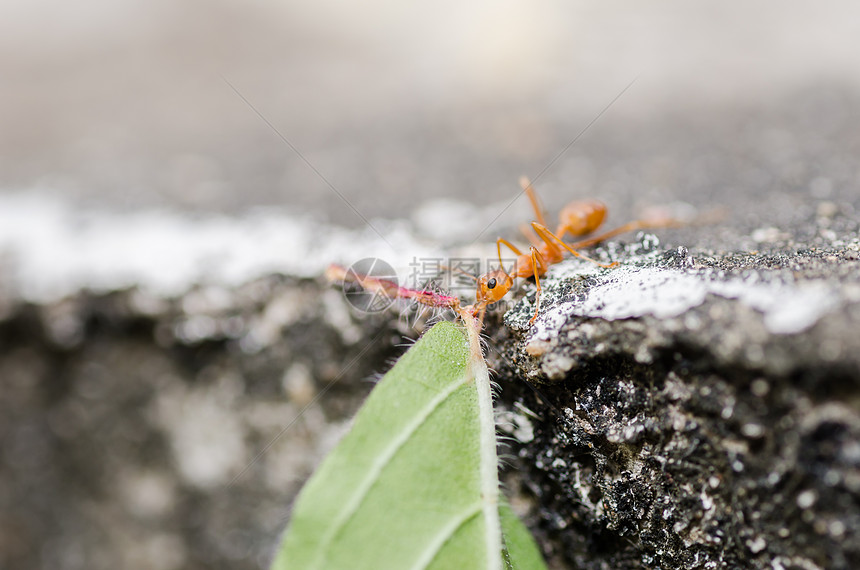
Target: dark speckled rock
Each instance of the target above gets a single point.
(141, 432)
(688, 409)
(722, 434)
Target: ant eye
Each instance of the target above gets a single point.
(491, 283)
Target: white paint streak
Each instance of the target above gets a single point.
(49, 250)
(787, 308)
(633, 292)
(629, 292)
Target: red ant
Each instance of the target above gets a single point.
(577, 219)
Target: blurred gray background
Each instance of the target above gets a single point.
(124, 103)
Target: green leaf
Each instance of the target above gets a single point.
(414, 484)
(520, 550)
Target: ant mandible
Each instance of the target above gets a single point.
(578, 218)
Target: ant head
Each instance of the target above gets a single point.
(493, 286)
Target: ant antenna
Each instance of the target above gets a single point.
(459, 269)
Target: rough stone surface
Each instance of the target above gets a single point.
(696, 406)
(697, 440)
(141, 432)
(146, 432)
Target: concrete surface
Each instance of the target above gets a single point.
(690, 410)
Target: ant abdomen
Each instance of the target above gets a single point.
(581, 217)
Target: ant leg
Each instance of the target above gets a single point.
(628, 227)
(547, 235)
(510, 246)
(537, 258)
(530, 192)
